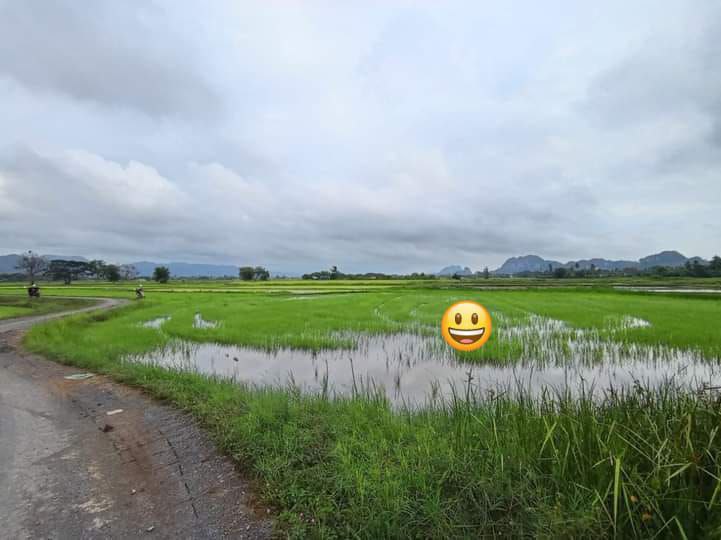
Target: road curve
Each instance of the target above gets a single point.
(70, 470)
(9, 325)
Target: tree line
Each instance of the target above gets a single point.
(34, 266)
(692, 268)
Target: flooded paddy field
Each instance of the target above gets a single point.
(413, 369)
(587, 414)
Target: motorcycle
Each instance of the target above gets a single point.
(34, 291)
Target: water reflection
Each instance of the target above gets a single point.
(199, 322)
(413, 369)
(155, 323)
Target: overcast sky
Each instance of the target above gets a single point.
(388, 135)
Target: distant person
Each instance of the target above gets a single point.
(139, 293)
(34, 291)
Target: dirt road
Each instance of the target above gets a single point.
(68, 470)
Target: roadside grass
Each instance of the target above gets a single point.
(639, 464)
(22, 306)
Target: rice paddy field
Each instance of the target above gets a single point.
(592, 412)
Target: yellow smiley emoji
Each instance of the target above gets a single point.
(466, 326)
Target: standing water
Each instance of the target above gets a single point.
(413, 369)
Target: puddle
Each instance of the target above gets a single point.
(629, 322)
(667, 290)
(413, 369)
(155, 323)
(199, 322)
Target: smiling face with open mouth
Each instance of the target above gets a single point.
(466, 326)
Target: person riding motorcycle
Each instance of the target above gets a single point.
(34, 291)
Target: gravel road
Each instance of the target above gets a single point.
(68, 470)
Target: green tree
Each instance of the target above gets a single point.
(697, 269)
(246, 273)
(261, 273)
(128, 272)
(486, 273)
(560, 273)
(96, 268)
(161, 274)
(334, 272)
(111, 272)
(32, 265)
(67, 271)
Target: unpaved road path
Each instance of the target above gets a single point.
(68, 470)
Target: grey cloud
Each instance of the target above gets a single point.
(372, 136)
(94, 52)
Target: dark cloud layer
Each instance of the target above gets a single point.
(393, 136)
(104, 53)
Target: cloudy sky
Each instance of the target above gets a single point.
(387, 135)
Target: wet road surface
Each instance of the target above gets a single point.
(69, 470)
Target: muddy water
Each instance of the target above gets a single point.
(413, 369)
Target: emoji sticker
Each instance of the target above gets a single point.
(466, 326)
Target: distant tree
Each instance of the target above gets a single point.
(550, 268)
(323, 274)
(486, 273)
(246, 273)
(128, 272)
(67, 271)
(696, 269)
(261, 273)
(111, 272)
(32, 265)
(96, 268)
(334, 273)
(560, 273)
(714, 266)
(161, 274)
(456, 276)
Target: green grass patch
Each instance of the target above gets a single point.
(22, 306)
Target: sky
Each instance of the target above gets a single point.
(391, 136)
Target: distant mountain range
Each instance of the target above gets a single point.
(455, 269)
(514, 265)
(534, 263)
